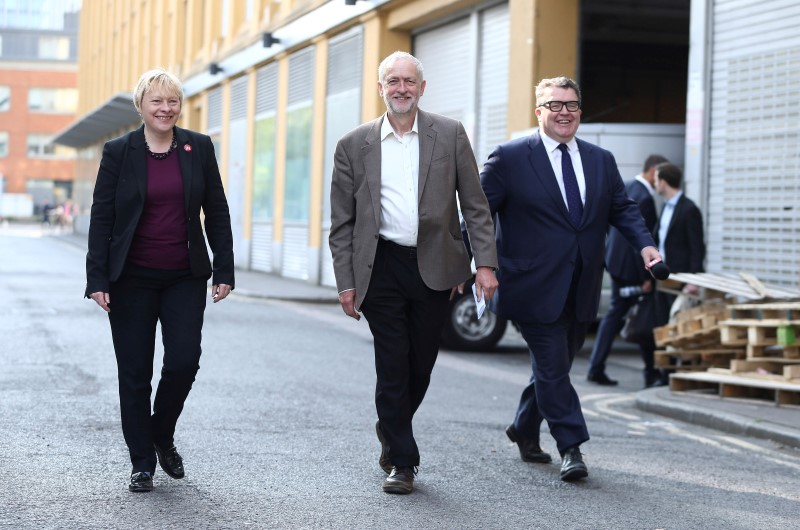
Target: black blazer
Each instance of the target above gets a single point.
(623, 262)
(684, 247)
(119, 198)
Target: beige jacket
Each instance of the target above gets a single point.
(446, 168)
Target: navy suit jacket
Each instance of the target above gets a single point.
(623, 262)
(119, 198)
(537, 245)
(684, 248)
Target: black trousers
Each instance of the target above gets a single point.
(406, 319)
(140, 299)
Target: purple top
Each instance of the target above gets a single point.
(161, 239)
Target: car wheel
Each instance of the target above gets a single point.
(463, 330)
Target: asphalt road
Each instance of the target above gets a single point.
(278, 431)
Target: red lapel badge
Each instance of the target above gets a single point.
(187, 148)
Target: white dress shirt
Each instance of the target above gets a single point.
(663, 223)
(555, 160)
(399, 184)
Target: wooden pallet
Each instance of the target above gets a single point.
(699, 338)
(735, 386)
(770, 311)
(763, 338)
(695, 327)
(783, 369)
(700, 359)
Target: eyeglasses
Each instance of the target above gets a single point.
(556, 106)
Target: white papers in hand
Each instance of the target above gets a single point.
(480, 305)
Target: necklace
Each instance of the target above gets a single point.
(162, 156)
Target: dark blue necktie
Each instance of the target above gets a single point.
(571, 186)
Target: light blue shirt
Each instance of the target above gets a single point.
(663, 224)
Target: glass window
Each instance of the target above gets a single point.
(42, 146)
(264, 169)
(3, 144)
(54, 48)
(5, 98)
(53, 100)
(298, 164)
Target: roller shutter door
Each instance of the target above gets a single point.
(295, 250)
(754, 151)
(342, 113)
(262, 255)
(237, 152)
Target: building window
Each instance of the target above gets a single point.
(5, 98)
(264, 169)
(42, 146)
(298, 164)
(54, 48)
(53, 100)
(3, 144)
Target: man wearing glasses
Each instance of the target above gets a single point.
(555, 197)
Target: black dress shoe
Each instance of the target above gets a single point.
(170, 461)
(529, 450)
(384, 461)
(601, 379)
(572, 466)
(141, 481)
(400, 480)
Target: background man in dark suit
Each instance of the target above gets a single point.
(679, 234)
(397, 246)
(628, 280)
(555, 197)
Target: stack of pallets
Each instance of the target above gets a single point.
(769, 368)
(693, 343)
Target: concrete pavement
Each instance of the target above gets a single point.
(751, 417)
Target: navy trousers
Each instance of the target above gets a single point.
(140, 299)
(550, 395)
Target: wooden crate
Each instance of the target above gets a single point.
(777, 369)
(769, 311)
(699, 359)
(735, 386)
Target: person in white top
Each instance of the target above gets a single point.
(397, 246)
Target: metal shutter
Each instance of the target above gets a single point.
(492, 82)
(239, 98)
(342, 113)
(754, 168)
(214, 110)
(261, 254)
(237, 153)
(295, 263)
(267, 89)
(448, 62)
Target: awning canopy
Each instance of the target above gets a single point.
(115, 114)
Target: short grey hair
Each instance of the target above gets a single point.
(389, 60)
(556, 82)
(160, 79)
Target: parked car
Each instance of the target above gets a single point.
(463, 331)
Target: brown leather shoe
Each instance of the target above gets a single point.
(572, 465)
(384, 461)
(400, 480)
(529, 450)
